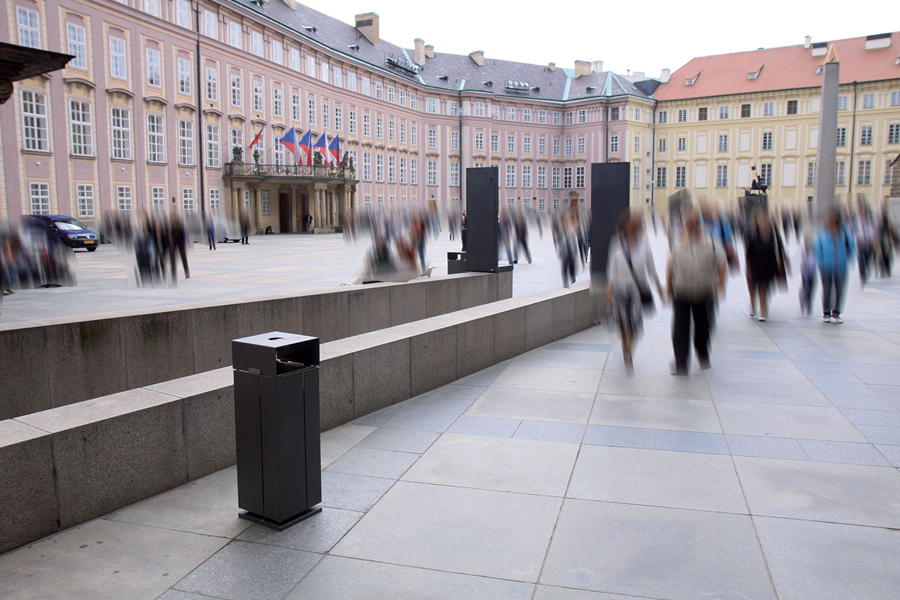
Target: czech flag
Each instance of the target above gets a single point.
(335, 150)
(256, 139)
(305, 148)
(322, 146)
(289, 141)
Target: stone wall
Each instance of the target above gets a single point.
(48, 364)
(67, 465)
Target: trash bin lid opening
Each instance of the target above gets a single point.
(272, 339)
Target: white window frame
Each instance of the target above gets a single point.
(184, 76)
(213, 146)
(185, 143)
(277, 102)
(84, 198)
(120, 120)
(187, 200)
(29, 26)
(124, 198)
(432, 173)
(212, 84)
(39, 198)
(154, 67)
(118, 58)
(236, 91)
(34, 121)
(76, 37)
(510, 175)
(81, 126)
(258, 101)
(156, 140)
(183, 13)
(234, 34)
(210, 23)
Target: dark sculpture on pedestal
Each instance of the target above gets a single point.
(237, 154)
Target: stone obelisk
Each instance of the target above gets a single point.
(824, 197)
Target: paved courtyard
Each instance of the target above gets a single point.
(270, 265)
(555, 476)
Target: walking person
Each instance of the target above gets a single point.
(807, 273)
(629, 271)
(245, 227)
(765, 261)
(695, 278)
(866, 235)
(211, 232)
(834, 249)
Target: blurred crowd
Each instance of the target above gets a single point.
(704, 248)
(397, 237)
(33, 257)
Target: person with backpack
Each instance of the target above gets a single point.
(834, 248)
(695, 282)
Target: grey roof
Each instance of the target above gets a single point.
(461, 71)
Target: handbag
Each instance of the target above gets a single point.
(646, 295)
(781, 275)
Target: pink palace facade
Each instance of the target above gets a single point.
(160, 92)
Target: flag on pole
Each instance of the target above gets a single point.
(305, 145)
(335, 150)
(258, 135)
(322, 146)
(290, 142)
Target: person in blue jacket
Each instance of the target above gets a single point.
(834, 248)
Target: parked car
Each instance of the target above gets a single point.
(70, 231)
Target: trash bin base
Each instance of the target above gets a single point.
(283, 524)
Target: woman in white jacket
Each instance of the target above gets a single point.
(629, 272)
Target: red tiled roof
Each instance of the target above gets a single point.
(791, 67)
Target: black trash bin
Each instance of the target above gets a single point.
(276, 414)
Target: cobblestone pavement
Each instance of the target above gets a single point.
(554, 476)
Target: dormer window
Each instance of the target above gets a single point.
(754, 74)
(692, 80)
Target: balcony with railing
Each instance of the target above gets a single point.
(314, 172)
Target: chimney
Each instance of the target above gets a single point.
(368, 26)
(429, 51)
(478, 57)
(552, 67)
(807, 42)
(597, 66)
(420, 51)
(582, 67)
(664, 76)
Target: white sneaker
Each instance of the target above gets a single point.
(826, 318)
(837, 319)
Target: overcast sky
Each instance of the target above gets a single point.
(644, 36)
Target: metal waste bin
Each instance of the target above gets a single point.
(276, 415)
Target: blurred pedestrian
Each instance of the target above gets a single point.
(807, 273)
(245, 226)
(178, 245)
(629, 271)
(211, 232)
(695, 278)
(834, 249)
(866, 234)
(765, 261)
(888, 240)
